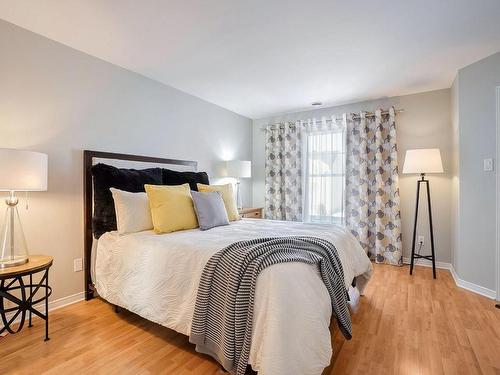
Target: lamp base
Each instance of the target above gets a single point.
(13, 249)
(16, 261)
(239, 203)
(417, 256)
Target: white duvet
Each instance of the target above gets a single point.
(157, 276)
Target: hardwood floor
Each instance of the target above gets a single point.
(405, 325)
(417, 325)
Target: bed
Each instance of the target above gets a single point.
(157, 276)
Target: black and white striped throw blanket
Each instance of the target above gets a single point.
(223, 315)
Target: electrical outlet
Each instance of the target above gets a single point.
(421, 239)
(77, 264)
(488, 165)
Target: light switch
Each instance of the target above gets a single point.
(77, 264)
(488, 165)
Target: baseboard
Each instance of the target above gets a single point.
(471, 287)
(55, 304)
(428, 263)
(491, 294)
(65, 301)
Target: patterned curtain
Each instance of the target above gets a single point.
(372, 186)
(284, 172)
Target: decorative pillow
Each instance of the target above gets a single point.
(227, 196)
(171, 177)
(132, 211)
(171, 208)
(210, 209)
(105, 177)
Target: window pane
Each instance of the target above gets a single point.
(324, 177)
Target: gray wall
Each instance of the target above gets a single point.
(477, 83)
(455, 179)
(60, 101)
(426, 123)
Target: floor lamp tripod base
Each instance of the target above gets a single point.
(13, 243)
(414, 256)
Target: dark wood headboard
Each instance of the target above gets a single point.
(88, 159)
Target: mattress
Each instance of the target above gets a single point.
(157, 276)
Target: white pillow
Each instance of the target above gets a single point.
(132, 211)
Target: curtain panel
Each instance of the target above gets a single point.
(372, 186)
(283, 199)
(311, 156)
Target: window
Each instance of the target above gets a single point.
(324, 177)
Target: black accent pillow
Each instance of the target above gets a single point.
(105, 177)
(171, 177)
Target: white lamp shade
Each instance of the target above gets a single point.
(239, 168)
(426, 160)
(22, 170)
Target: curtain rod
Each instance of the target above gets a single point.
(355, 117)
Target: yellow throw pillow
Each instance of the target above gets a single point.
(227, 196)
(171, 207)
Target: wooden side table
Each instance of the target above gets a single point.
(11, 280)
(255, 213)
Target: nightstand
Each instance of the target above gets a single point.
(24, 299)
(255, 213)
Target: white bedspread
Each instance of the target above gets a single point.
(157, 276)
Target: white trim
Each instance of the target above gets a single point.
(472, 287)
(498, 195)
(55, 304)
(458, 281)
(428, 263)
(65, 301)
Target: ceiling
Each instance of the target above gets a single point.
(264, 57)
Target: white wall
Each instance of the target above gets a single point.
(60, 101)
(477, 141)
(425, 123)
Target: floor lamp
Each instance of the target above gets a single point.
(423, 161)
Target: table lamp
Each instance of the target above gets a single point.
(423, 161)
(19, 171)
(239, 169)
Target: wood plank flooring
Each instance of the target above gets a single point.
(405, 325)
